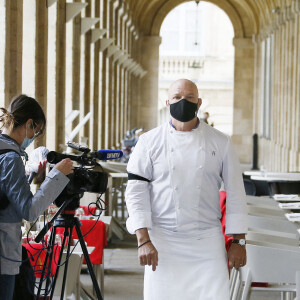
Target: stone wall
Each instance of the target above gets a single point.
(280, 151)
(73, 56)
(93, 56)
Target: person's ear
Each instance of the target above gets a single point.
(199, 102)
(167, 103)
(29, 124)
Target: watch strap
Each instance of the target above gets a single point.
(241, 242)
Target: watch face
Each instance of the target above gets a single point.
(242, 242)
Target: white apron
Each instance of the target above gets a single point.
(188, 268)
(180, 206)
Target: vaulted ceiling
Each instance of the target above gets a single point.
(247, 16)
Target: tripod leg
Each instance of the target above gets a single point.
(51, 246)
(52, 235)
(66, 265)
(42, 276)
(87, 259)
(58, 263)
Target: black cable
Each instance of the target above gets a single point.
(99, 206)
(47, 273)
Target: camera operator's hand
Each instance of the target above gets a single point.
(40, 176)
(65, 166)
(42, 168)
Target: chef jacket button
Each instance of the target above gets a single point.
(198, 187)
(173, 168)
(200, 167)
(172, 150)
(175, 188)
(171, 131)
(200, 148)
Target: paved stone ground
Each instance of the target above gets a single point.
(123, 279)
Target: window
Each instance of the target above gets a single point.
(171, 42)
(182, 31)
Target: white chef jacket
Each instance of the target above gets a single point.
(185, 170)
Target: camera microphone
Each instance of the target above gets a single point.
(107, 154)
(55, 157)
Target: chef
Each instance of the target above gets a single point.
(174, 176)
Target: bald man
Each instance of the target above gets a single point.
(174, 176)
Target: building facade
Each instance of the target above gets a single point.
(101, 58)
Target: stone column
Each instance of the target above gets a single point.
(109, 80)
(114, 122)
(2, 49)
(132, 93)
(95, 87)
(41, 54)
(76, 68)
(13, 50)
(126, 101)
(123, 75)
(60, 72)
(119, 110)
(87, 72)
(115, 106)
(103, 115)
(243, 98)
(295, 162)
(148, 102)
(103, 82)
(135, 85)
(120, 26)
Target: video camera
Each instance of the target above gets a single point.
(83, 179)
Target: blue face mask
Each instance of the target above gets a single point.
(27, 141)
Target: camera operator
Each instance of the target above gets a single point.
(21, 124)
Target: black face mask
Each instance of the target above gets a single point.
(183, 110)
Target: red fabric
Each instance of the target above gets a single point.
(38, 259)
(228, 239)
(96, 238)
(88, 211)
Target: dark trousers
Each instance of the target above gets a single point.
(7, 285)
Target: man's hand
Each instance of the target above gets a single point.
(237, 256)
(148, 255)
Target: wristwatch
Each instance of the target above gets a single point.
(241, 242)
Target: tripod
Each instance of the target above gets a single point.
(68, 221)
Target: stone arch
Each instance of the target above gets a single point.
(242, 16)
(246, 18)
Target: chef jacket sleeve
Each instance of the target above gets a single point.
(236, 208)
(138, 191)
